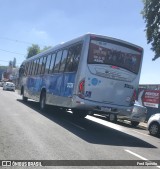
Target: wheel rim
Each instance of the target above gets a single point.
(154, 129)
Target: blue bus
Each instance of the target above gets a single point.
(92, 73)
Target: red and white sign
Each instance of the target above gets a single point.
(149, 98)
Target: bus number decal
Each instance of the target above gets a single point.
(69, 85)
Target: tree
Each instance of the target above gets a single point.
(151, 15)
(14, 62)
(10, 63)
(33, 50)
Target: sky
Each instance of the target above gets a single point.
(51, 22)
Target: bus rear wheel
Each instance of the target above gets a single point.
(24, 98)
(43, 101)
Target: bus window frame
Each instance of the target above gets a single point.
(30, 73)
(59, 63)
(71, 46)
(62, 71)
(43, 66)
(53, 56)
(37, 65)
(49, 55)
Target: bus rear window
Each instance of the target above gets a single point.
(115, 54)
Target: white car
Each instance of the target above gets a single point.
(153, 124)
(9, 86)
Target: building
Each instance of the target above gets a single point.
(150, 86)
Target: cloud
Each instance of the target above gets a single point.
(40, 37)
(39, 33)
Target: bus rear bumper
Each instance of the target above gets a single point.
(100, 108)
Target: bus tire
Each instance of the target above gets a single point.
(112, 118)
(134, 123)
(79, 113)
(43, 101)
(23, 97)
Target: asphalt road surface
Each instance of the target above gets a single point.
(26, 133)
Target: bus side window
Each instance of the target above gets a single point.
(37, 62)
(63, 60)
(57, 62)
(21, 70)
(25, 69)
(28, 68)
(43, 65)
(48, 64)
(34, 66)
(51, 68)
(77, 55)
(40, 65)
(31, 67)
(73, 58)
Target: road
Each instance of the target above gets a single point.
(26, 133)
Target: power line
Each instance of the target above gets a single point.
(19, 41)
(3, 61)
(12, 52)
(14, 40)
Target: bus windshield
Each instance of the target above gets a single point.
(115, 53)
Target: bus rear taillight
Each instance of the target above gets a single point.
(134, 96)
(81, 89)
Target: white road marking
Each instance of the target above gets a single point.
(140, 133)
(77, 126)
(105, 123)
(137, 155)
